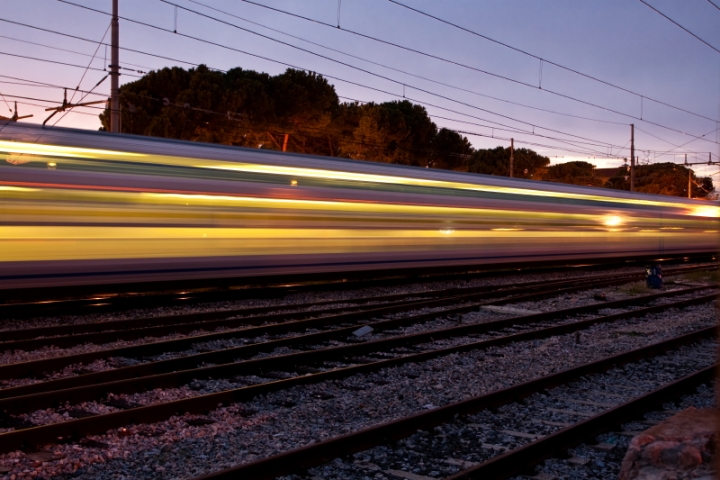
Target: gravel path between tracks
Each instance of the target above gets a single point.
(304, 414)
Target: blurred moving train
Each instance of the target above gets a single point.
(80, 207)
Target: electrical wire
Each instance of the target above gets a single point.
(674, 145)
(347, 81)
(314, 53)
(86, 69)
(713, 4)
(55, 32)
(530, 133)
(49, 101)
(6, 102)
(58, 62)
(61, 49)
(404, 72)
(677, 24)
(544, 60)
(519, 82)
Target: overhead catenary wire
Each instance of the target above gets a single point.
(677, 24)
(554, 147)
(404, 72)
(100, 43)
(457, 112)
(351, 66)
(64, 49)
(544, 60)
(465, 114)
(76, 37)
(335, 77)
(674, 145)
(57, 62)
(316, 54)
(469, 67)
(325, 75)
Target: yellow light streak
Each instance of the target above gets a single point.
(8, 188)
(22, 243)
(62, 151)
(389, 179)
(58, 151)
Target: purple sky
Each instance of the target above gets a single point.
(619, 41)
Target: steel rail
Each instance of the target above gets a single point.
(516, 460)
(29, 333)
(157, 412)
(71, 390)
(36, 367)
(106, 331)
(112, 300)
(303, 458)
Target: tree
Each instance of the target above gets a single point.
(665, 179)
(576, 173)
(394, 132)
(528, 164)
(450, 151)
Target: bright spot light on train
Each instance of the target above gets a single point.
(293, 183)
(613, 221)
(447, 231)
(52, 165)
(705, 211)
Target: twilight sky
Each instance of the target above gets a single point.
(622, 42)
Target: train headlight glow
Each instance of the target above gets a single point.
(705, 211)
(612, 221)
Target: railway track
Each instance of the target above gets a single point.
(270, 349)
(272, 373)
(77, 300)
(443, 443)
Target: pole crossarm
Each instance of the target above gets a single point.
(66, 106)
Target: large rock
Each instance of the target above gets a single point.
(681, 447)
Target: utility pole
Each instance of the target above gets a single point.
(689, 178)
(632, 157)
(115, 71)
(512, 155)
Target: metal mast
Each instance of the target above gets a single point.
(115, 72)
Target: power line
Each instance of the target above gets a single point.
(55, 32)
(48, 101)
(336, 78)
(676, 23)
(397, 69)
(58, 63)
(519, 82)
(100, 43)
(544, 60)
(527, 132)
(358, 84)
(674, 145)
(325, 75)
(714, 5)
(60, 49)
